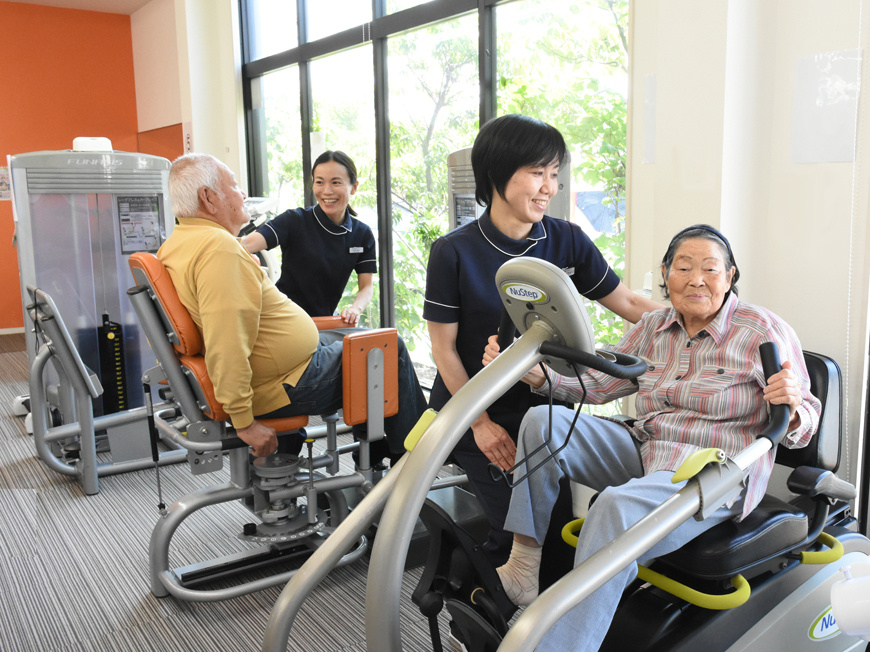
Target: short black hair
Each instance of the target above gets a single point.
(342, 159)
(508, 143)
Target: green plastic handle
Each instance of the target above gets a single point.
(693, 464)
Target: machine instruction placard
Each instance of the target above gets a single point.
(139, 217)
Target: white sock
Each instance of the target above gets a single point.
(519, 576)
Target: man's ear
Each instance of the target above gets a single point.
(205, 200)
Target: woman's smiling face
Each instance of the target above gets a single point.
(333, 189)
(525, 200)
(697, 282)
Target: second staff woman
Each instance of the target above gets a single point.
(322, 245)
(516, 160)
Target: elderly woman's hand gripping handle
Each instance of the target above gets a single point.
(783, 388)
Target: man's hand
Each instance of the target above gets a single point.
(494, 442)
(262, 439)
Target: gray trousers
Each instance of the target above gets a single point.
(604, 456)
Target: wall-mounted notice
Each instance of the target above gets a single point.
(139, 218)
(825, 107)
(5, 186)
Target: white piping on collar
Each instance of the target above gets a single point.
(322, 226)
(506, 253)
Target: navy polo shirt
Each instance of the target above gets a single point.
(317, 256)
(460, 288)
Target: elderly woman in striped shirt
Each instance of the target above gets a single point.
(704, 388)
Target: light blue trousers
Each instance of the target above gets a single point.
(604, 456)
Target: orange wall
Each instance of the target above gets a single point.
(65, 73)
(167, 142)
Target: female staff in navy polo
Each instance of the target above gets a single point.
(323, 244)
(515, 160)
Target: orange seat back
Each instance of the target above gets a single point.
(181, 329)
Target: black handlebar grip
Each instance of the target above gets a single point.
(232, 442)
(770, 362)
(506, 331)
(622, 366)
(777, 424)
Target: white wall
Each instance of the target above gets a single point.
(210, 71)
(155, 56)
(188, 70)
(675, 141)
(725, 91)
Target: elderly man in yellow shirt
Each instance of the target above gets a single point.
(264, 353)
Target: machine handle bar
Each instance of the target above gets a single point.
(622, 366)
(232, 442)
(235, 442)
(777, 424)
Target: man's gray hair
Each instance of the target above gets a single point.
(188, 174)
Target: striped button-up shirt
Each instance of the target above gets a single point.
(703, 391)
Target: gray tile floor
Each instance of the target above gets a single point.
(73, 568)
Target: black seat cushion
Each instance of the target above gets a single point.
(730, 548)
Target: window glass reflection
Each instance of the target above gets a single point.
(399, 5)
(282, 124)
(566, 63)
(327, 18)
(272, 27)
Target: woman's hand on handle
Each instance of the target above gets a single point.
(494, 442)
(783, 388)
(535, 377)
(351, 315)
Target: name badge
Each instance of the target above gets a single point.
(355, 250)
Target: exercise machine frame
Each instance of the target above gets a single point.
(546, 309)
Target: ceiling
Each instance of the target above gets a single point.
(126, 7)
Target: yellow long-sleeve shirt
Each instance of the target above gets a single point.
(255, 338)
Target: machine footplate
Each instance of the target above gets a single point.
(287, 532)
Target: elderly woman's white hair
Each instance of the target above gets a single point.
(188, 174)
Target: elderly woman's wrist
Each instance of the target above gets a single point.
(795, 422)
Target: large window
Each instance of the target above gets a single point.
(398, 5)
(403, 87)
(272, 27)
(566, 63)
(330, 17)
(278, 95)
(433, 104)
